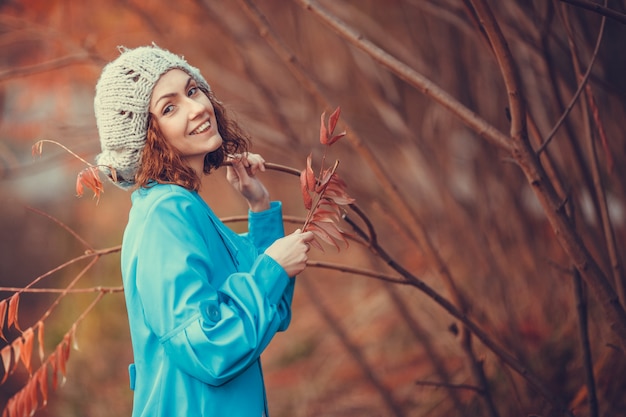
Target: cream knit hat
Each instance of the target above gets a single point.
(122, 105)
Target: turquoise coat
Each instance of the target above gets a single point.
(203, 303)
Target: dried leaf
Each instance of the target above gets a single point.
(341, 199)
(323, 130)
(336, 191)
(89, 178)
(306, 197)
(331, 215)
(310, 175)
(332, 121)
(17, 352)
(52, 359)
(333, 230)
(20, 403)
(40, 339)
(5, 354)
(60, 365)
(72, 338)
(64, 352)
(112, 173)
(31, 400)
(326, 177)
(316, 244)
(37, 149)
(42, 380)
(4, 304)
(14, 302)
(322, 234)
(336, 138)
(28, 338)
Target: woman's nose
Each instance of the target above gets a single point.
(195, 108)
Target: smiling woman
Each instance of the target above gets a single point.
(203, 302)
(186, 116)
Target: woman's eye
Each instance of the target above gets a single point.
(167, 109)
(192, 91)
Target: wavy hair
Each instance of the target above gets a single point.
(161, 162)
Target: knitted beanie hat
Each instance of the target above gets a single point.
(122, 105)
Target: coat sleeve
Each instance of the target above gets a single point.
(264, 228)
(213, 334)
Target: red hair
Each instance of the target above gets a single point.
(161, 162)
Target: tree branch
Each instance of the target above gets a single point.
(545, 192)
(411, 76)
(598, 8)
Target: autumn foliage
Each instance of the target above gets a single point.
(486, 212)
(325, 196)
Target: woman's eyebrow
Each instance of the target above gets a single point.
(168, 95)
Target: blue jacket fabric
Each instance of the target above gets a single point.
(203, 303)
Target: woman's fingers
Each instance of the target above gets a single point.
(252, 162)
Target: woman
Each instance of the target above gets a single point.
(203, 302)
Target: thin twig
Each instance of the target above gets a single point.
(583, 330)
(598, 8)
(105, 290)
(45, 66)
(411, 76)
(579, 90)
(446, 385)
(88, 254)
(545, 192)
(358, 271)
(63, 225)
(486, 339)
(354, 351)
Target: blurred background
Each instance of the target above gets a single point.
(357, 345)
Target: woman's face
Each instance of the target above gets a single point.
(185, 117)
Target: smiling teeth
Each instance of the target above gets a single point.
(202, 128)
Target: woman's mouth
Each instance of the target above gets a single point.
(202, 128)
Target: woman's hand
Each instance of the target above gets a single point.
(241, 174)
(291, 251)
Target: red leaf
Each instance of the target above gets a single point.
(310, 175)
(336, 191)
(13, 309)
(40, 340)
(336, 138)
(27, 349)
(37, 149)
(42, 381)
(5, 354)
(3, 313)
(316, 244)
(31, 399)
(326, 176)
(89, 178)
(333, 119)
(322, 234)
(61, 362)
(17, 352)
(333, 231)
(331, 215)
(341, 199)
(64, 352)
(52, 359)
(323, 130)
(306, 197)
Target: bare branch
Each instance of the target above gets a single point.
(411, 76)
(544, 189)
(45, 66)
(445, 385)
(581, 86)
(598, 8)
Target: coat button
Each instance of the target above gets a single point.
(214, 313)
